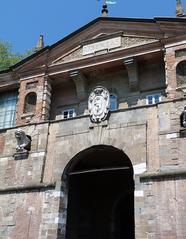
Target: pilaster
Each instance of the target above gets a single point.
(34, 100)
(173, 56)
(132, 69)
(80, 83)
(46, 98)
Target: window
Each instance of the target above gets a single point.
(153, 99)
(113, 102)
(181, 68)
(30, 102)
(8, 103)
(69, 113)
(181, 73)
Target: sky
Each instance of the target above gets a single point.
(22, 21)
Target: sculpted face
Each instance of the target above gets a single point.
(18, 134)
(98, 104)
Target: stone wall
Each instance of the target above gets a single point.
(162, 212)
(123, 130)
(32, 205)
(147, 135)
(17, 171)
(30, 214)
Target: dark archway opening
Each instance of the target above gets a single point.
(100, 195)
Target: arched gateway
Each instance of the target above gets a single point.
(100, 189)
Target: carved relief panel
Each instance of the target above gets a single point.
(98, 104)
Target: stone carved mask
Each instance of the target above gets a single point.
(98, 104)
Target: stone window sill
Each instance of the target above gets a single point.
(27, 115)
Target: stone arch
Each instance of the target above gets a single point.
(181, 73)
(77, 158)
(95, 178)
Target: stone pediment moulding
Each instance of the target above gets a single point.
(102, 45)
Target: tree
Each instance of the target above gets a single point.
(8, 58)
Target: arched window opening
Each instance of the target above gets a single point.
(30, 102)
(181, 73)
(113, 102)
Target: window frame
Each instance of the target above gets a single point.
(116, 102)
(8, 106)
(153, 98)
(68, 113)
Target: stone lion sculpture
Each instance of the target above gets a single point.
(23, 140)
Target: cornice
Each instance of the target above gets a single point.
(105, 58)
(158, 27)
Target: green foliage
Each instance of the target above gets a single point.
(8, 58)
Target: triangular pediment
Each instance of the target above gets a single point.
(102, 36)
(103, 44)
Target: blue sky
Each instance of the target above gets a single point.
(22, 21)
